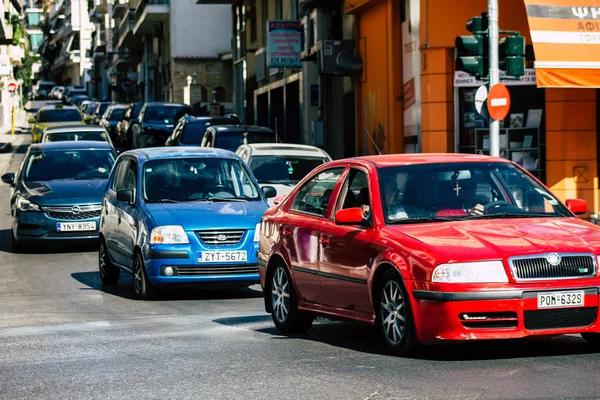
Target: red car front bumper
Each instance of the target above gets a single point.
(506, 313)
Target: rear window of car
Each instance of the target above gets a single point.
(116, 114)
(165, 114)
(96, 136)
(231, 140)
(60, 116)
(194, 132)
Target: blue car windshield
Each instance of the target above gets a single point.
(197, 179)
(84, 164)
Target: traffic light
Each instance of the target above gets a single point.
(511, 52)
(473, 50)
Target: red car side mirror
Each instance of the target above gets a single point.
(349, 216)
(278, 199)
(577, 206)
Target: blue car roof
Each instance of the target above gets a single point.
(72, 145)
(156, 153)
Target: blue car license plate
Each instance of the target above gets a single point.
(234, 256)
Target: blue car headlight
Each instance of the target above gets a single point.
(168, 234)
(26, 205)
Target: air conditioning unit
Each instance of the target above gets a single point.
(336, 57)
(320, 25)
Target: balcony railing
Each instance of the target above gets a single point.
(139, 10)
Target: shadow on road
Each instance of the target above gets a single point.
(82, 247)
(167, 293)
(364, 338)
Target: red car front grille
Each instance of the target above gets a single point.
(560, 318)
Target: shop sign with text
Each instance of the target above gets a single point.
(285, 44)
(462, 79)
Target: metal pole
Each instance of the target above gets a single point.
(494, 72)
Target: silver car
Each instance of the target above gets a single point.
(76, 133)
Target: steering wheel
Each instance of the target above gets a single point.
(495, 204)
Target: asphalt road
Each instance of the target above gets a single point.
(64, 336)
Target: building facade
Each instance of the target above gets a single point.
(12, 54)
(144, 50)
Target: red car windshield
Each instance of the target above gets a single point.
(429, 192)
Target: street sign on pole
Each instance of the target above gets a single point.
(12, 86)
(480, 96)
(498, 102)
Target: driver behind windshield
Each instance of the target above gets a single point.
(458, 197)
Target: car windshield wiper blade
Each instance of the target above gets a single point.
(425, 219)
(164, 201)
(223, 199)
(511, 215)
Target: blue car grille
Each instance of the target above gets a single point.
(221, 237)
(217, 270)
(74, 212)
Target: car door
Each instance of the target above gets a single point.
(300, 229)
(345, 251)
(111, 211)
(126, 217)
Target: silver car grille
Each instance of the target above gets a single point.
(74, 212)
(221, 237)
(538, 267)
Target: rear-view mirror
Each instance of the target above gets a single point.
(269, 191)
(9, 178)
(278, 199)
(577, 206)
(349, 216)
(31, 120)
(125, 195)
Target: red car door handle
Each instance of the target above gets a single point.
(287, 231)
(324, 240)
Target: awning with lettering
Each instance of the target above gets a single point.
(566, 42)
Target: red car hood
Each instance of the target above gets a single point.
(500, 238)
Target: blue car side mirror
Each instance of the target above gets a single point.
(269, 191)
(9, 178)
(125, 195)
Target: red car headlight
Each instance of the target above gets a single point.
(470, 272)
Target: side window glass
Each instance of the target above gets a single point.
(121, 169)
(131, 177)
(314, 196)
(356, 191)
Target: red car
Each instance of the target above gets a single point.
(430, 248)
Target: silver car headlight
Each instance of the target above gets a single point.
(470, 272)
(257, 233)
(168, 234)
(26, 205)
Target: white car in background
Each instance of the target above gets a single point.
(75, 133)
(281, 165)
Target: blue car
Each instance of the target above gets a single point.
(57, 193)
(175, 215)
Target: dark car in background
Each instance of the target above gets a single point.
(72, 92)
(111, 118)
(231, 137)
(156, 122)
(99, 112)
(190, 130)
(129, 118)
(43, 90)
(57, 193)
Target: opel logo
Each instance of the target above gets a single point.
(76, 209)
(221, 237)
(553, 259)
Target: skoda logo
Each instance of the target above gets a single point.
(76, 209)
(221, 237)
(553, 259)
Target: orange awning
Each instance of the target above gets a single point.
(566, 42)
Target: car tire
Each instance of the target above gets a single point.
(142, 287)
(284, 302)
(109, 274)
(16, 246)
(394, 315)
(592, 338)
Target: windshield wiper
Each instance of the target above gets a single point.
(424, 219)
(164, 201)
(223, 199)
(511, 215)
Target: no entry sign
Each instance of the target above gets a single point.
(498, 102)
(12, 86)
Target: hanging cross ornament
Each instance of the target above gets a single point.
(457, 188)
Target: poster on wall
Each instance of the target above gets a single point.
(411, 73)
(284, 44)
